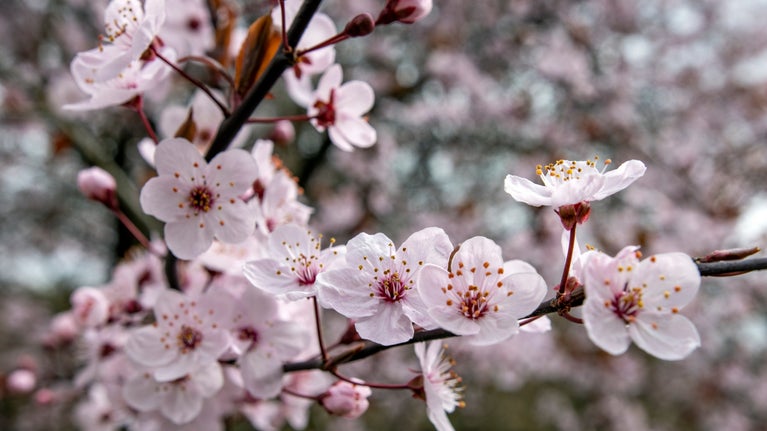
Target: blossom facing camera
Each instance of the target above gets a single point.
(569, 186)
(200, 201)
(377, 285)
(339, 109)
(481, 295)
(628, 299)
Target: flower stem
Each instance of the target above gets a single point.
(318, 325)
(194, 82)
(137, 104)
(368, 384)
(296, 394)
(301, 117)
(568, 261)
(212, 64)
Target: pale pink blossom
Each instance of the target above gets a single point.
(261, 338)
(628, 299)
(481, 295)
(339, 109)
(138, 77)
(568, 182)
(99, 185)
(188, 27)
(90, 307)
(130, 29)
(188, 334)
(180, 400)
(441, 386)
(346, 399)
(278, 204)
(377, 285)
(295, 259)
(199, 200)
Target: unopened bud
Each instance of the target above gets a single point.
(99, 185)
(346, 399)
(283, 132)
(21, 381)
(360, 25)
(404, 11)
(90, 307)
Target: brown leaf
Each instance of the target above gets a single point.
(224, 20)
(187, 129)
(260, 45)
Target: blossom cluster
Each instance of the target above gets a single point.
(222, 315)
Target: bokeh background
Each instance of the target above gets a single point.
(473, 92)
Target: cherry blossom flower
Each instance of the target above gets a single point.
(339, 109)
(346, 399)
(568, 186)
(440, 385)
(130, 29)
(188, 28)
(199, 201)
(481, 295)
(296, 258)
(631, 300)
(188, 334)
(180, 400)
(90, 306)
(136, 78)
(278, 204)
(377, 286)
(261, 337)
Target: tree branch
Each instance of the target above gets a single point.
(281, 62)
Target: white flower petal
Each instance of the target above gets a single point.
(666, 336)
(605, 329)
(526, 191)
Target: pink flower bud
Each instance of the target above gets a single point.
(346, 399)
(90, 306)
(97, 184)
(283, 132)
(21, 381)
(404, 11)
(360, 25)
(63, 329)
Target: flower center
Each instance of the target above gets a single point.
(201, 199)
(627, 304)
(189, 338)
(306, 272)
(248, 333)
(391, 288)
(473, 304)
(327, 113)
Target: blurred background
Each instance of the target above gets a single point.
(473, 92)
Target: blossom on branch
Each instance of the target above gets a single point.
(569, 186)
(631, 300)
(377, 286)
(339, 109)
(295, 259)
(481, 295)
(200, 201)
(441, 386)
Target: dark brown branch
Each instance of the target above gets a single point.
(281, 62)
